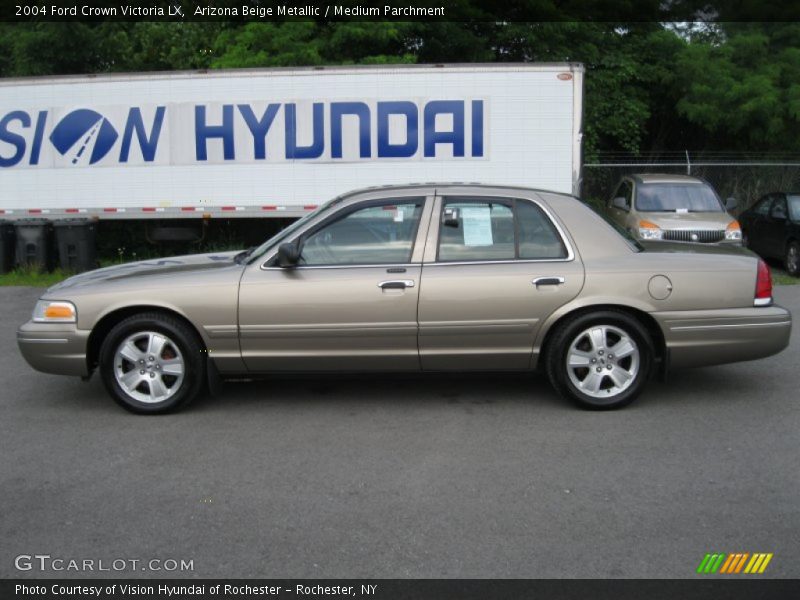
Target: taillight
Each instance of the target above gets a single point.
(763, 285)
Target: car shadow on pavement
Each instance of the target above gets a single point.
(458, 389)
(465, 392)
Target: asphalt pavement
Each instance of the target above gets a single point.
(400, 476)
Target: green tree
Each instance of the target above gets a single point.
(157, 46)
(743, 92)
(303, 43)
(60, 48)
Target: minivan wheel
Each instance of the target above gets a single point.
(152, 363)
(600, 360)
(792, 261)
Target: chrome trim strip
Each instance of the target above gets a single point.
(703, 327)
(222, 331)
(310, 267)
(496, 262)
(328, 330)
(44, 340)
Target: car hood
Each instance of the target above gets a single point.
(694, 248)
(173, 265)
(690, 220)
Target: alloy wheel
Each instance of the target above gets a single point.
(603, 361)
(149, 367)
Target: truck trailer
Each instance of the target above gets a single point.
(277, 142)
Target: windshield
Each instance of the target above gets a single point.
(794, 207)
(676, 197)
(288, 231)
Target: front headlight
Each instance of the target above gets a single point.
(54, 311)
(733, 231)
(650, 231)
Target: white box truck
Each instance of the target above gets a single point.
(277, 142)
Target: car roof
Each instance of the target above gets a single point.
(451, 184)
(664, 178)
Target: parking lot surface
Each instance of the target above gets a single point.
(403, 476)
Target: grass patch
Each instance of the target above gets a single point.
(33, 277)
(781, 277)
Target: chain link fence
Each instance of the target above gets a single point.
(745, 178)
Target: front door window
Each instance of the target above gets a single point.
(381, 233)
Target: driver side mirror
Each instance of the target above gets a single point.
(731, 204)
(620, 202)
(289, 254)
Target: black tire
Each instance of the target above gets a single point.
(573, 331)
(792, 259)
(183, 345)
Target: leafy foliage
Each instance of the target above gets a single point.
(648, 86)
(744, 91)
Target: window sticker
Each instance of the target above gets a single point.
(477, 222)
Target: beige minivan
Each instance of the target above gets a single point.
(675, 208)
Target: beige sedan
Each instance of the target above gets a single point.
(415, 278)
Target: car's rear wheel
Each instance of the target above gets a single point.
(152, 363)
(600, 360)
(792, 260)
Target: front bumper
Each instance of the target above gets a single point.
(712, 337)
(56, 348)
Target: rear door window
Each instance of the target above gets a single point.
(477, 229)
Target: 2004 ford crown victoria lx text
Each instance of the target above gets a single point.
(415, 278)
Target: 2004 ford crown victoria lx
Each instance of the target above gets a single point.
(423, 277)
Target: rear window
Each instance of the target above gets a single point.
(676, 197)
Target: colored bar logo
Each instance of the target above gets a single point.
(734, 563)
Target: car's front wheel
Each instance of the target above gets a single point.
(600, 360)
(152, 363)
(792, 261)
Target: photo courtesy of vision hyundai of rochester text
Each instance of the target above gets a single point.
(448, 277)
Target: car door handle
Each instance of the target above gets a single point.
(396, 284)
(548, 281)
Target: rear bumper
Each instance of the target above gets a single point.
(713, 337)
(54, 348)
